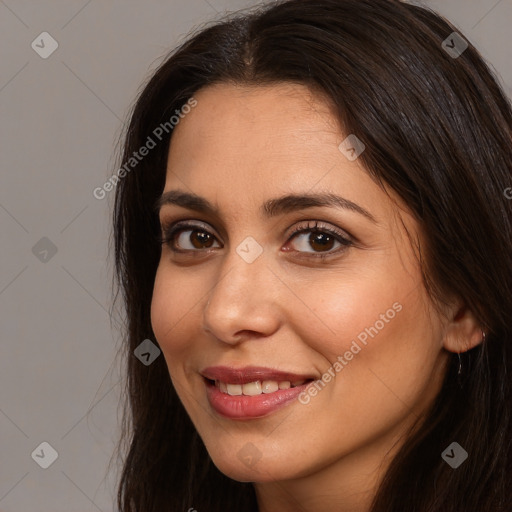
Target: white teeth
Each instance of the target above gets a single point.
(256, 388)
(234, 389)
(269, 386)
(252, 388)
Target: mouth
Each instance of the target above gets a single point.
(256, 387)
(251, 392)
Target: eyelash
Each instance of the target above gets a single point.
(171, 230)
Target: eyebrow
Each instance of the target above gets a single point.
(271, 208)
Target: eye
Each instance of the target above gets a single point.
(186, 237)
(320, 238)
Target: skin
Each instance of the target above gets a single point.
(239, 147)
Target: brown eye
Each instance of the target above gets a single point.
(186, 237)
(313, 239)
(199, 239)
(319, 241)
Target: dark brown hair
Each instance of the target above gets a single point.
(437, 130)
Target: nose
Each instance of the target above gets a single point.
(244, 302)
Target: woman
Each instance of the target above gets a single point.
(315, 234)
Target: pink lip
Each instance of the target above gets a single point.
(248, 407)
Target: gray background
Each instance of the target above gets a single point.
(60, 119)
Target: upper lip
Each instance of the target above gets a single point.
(243, 375)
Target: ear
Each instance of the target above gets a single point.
(462, 331)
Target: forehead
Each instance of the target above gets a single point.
(264, 102)
(242, 145)
(254, 130)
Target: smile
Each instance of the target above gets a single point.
(257, 387)
(251, 392)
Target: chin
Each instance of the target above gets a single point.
(251, 469)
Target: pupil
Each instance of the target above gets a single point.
(202, 238)
(317, 239)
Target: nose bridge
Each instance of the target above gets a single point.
(241, 300)
(241, 276)
(245, 265)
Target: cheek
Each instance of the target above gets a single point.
(347, 313)
(171, 310)
(378, 340)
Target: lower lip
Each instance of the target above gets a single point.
(248, 407)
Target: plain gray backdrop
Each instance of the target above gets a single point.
(60, 118)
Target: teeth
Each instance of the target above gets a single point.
(269, 386)
(256, 387)
(234, 389)
(252, 388)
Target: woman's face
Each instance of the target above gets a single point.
(245, 291)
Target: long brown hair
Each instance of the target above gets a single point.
(437, 130)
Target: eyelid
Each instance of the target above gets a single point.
(318, 225)
(171, 225)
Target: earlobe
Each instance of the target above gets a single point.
(463, 332)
